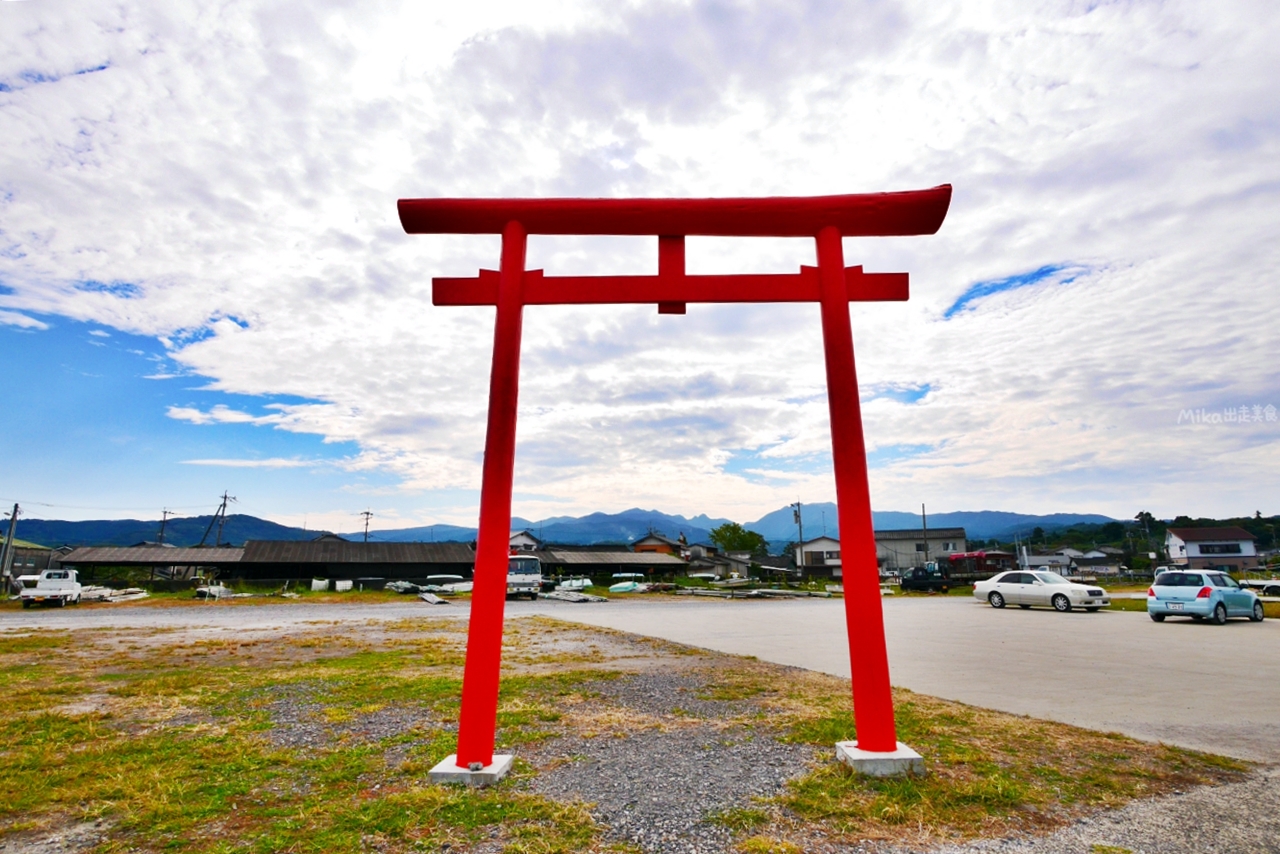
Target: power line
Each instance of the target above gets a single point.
(87, 506)
(367, 514)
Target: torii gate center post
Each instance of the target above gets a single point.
(832, 285)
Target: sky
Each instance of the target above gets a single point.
(204, 285)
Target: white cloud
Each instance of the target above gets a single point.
(22, 321)
(219, 414)
(274, 463)
(226, 182)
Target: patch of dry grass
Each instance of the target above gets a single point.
(988, 772)
(166, 735)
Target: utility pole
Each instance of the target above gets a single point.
(6, 562)
(164, 517)
(367, 514)
(223, 522)
(219, 517)
(924, 526)
(800, 545)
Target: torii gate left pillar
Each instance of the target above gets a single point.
(827, 219)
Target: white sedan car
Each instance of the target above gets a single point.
(1025, 589)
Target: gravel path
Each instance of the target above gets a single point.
(658, 788)
(298, 722)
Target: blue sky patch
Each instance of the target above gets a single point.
(124, 290)
(84, 419)
(901, 392)
(1059, 274)
(744, 460)
(30, 77)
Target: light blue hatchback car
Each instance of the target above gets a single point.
(1201, 595)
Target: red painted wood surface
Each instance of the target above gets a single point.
(864, 617)
(854, 215)
(540, 289)
(480, 675)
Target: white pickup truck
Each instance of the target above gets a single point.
(1263, 586)
(54, 587)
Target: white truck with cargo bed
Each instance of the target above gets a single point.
(58, 587)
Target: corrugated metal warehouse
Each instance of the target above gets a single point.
(333, 557)
(93, 561)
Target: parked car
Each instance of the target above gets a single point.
(925, 579)
(1201, 594)
(1041, 587)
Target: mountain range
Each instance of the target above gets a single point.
(778, 527)
(820, 518)
(178, 531)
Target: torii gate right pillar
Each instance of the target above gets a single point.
(868, 656)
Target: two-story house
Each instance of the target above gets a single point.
(819, 557)
(1228, 549)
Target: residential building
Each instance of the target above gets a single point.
(902, 549)
(819, 557)
(30, 558)
(705, 557)
(523, 541)
(772, 566)
(1230, 549)
(658, 543)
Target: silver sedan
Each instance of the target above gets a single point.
(1026, 589)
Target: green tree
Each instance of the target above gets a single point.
(1111, 532)
(732, 537)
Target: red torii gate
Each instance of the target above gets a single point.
(831, 284)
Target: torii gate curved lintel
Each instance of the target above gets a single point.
(825, 218)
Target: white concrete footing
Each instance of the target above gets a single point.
(449, 772)
(903, 762)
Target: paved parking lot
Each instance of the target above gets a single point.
(1210, 687)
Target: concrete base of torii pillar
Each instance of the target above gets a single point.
(448, 771)
(903, 762)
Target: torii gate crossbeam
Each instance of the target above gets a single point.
(825, 218)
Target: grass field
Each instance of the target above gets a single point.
(319, 738)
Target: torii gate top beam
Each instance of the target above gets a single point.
(855, 215)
